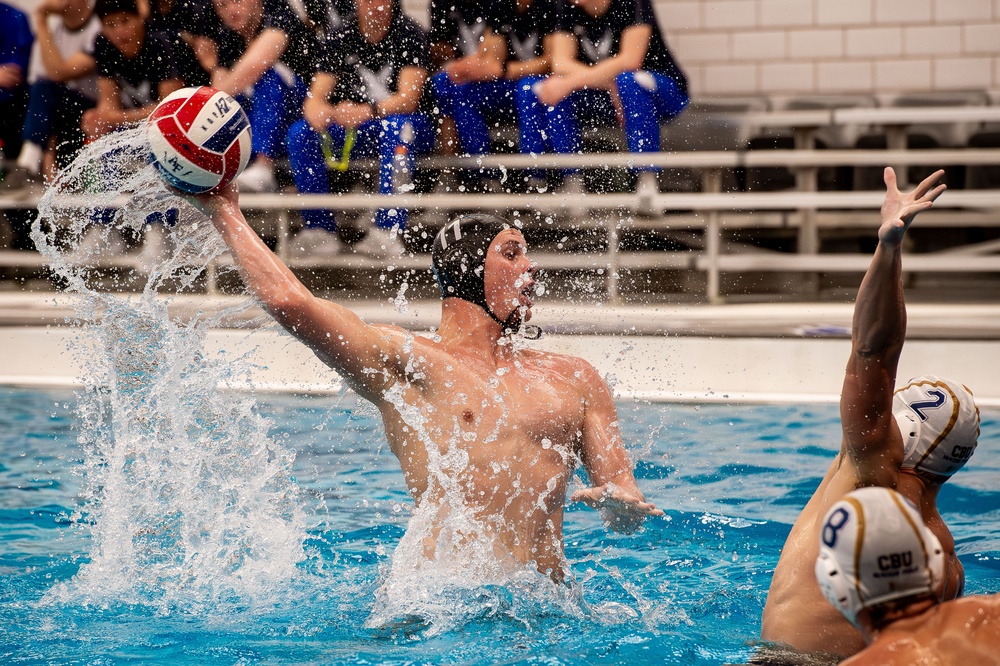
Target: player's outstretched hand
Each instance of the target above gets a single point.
(621, 510)
(899, 209)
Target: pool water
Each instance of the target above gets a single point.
(304, 589)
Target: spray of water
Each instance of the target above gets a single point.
(189, 503)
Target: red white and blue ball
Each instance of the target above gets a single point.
(199, 139)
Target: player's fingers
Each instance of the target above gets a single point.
(935, 193)
(927, 183)
(889, 176)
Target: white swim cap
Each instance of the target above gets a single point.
(874, 548)
(939, 421)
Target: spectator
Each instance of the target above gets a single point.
(15, 49)
(63, 86)
(192, 27)
(370, 80)
(609, 61)
(458, 31)
(266, 56)
(485, 84)
(136, 70)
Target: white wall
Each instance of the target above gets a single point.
(731, 47)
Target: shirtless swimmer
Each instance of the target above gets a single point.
(520, 418)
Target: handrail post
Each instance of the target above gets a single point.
(712, 182)
(212, 278)
(613, 286)
(807, 180)
(283, 234)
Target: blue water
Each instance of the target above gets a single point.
(687, 589)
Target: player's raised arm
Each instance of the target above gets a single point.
(613, 488)
(337, 335)
(871, 437)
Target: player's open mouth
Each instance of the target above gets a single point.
(528, 295)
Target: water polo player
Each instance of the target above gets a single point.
(940, 427)
(488, 434)
(884, 570)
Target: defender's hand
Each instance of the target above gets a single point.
(899, 209)
(621, 510)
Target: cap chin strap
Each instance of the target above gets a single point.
(530, 331)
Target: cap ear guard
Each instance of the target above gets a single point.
(836, 587)
(947, 419)
(875, 548)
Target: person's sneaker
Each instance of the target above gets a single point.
(647, 188)
(258, 177)
(381, 243)
(99, 241)
(20, 178)
(315, 244)
(155, 247)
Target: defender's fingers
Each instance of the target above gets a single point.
(927, 183)
(934, 194)
(889, 176)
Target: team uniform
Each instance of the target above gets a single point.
(367, 74)
(275, 101)
(655, 92)
(473, 103)
(139, 78)
(461, 24)
(196, 17)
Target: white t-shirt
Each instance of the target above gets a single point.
(69, 42)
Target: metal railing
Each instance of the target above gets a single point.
(709, 212)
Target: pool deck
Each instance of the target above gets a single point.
(779, 352)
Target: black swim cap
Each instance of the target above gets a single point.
(459, 260)
(459, 256)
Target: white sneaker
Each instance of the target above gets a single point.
(647, 188)
(100, 241)
(155, 247)
(258, 177)
(315, 244)
(381, 243)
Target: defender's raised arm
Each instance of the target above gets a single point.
(871, 438)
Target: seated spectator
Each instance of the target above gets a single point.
(136, 70)
(266, 54)
(609, 61)
(15, 49)
(368, 87)
(63, 86)
(192, 27)
(135, 65)
(458, 30)
(484, 85)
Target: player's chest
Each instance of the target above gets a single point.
(523, 404)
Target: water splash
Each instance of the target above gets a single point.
(189, 504)
(449, 569)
